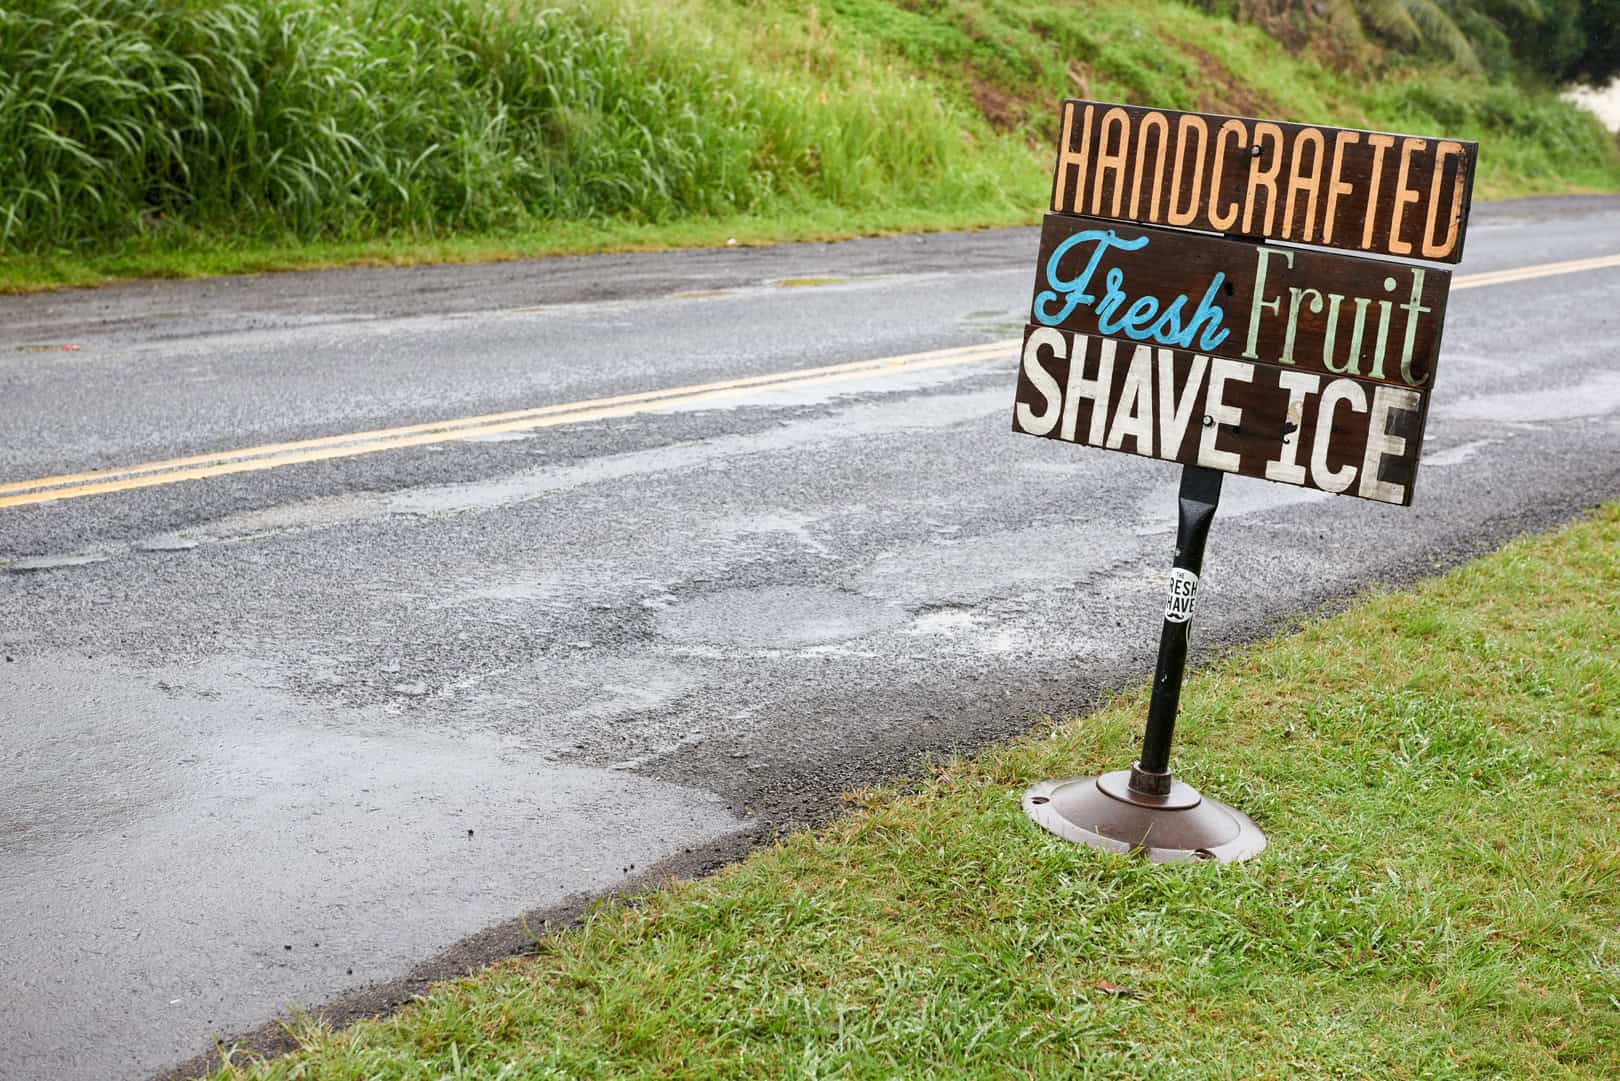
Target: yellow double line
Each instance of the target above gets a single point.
(276, 455)
(1540, 270)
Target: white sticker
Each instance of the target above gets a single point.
(1183, 596)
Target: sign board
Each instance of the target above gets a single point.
(1246, 353)
(1338, 187)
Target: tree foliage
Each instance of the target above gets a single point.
(1600, 60)
(1553, 41)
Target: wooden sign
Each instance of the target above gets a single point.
(1338, 434)
(1364, 191)
(1317, 311)
(1247, 353)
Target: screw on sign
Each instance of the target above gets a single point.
(1249, 353)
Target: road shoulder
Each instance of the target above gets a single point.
(1438, 771)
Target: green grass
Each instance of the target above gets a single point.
(342, 120)
(1437, 771)
(178, 259)
(183, 137)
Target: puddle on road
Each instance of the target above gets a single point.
(564, 698)
(498, 437)
(731, 530)
(203, 848)
(560, 591)
(308, 514)
(807, 283)
(949, 620)
(167, 543)
(51, 563)
(999, 322)
(983, 568)
(1456, 455)
(1592, 398)
(777, 617)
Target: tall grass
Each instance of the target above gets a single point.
(343, 119)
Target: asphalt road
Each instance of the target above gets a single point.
(314, 731)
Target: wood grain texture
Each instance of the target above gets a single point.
(1375, 192)
(1319, 311)
(1336, 434)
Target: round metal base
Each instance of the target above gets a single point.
(1104, 812)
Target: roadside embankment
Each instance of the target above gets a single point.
(270, 134)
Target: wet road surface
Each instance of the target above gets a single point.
(314, 732)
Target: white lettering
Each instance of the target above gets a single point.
(1340, 390)
(1381, 444)
(1285, 467)
(1174, 416)
(1043, 381)
(1133, 413)
(1096, 389)
(1218, 414)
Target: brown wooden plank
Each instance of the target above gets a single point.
(1258, 420)
(1319, 311)
(1376, 192)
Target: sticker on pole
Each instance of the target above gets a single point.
(1183, 596)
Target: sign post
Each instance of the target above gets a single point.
(1243, 353)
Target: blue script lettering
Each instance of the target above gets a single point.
(1144, 319)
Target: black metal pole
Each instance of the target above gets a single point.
(1200, 493)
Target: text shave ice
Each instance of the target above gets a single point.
(1342, 434)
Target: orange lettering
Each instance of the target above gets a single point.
(1308, 183)
(1403, 195)
(1336, 187)
(1432, 250)
(1379, 143)
(1150, 122)
(1188, 124)
(1263, 174)
(1224, 222)
(1069, 156)
(1111, 161)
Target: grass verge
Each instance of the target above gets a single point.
(1438, 772)
(181, 259)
